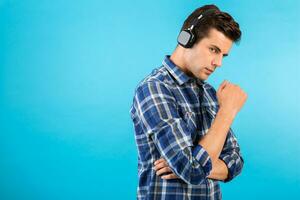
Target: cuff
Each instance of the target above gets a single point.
(229, 163)
(201, 155)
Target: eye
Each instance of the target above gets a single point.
(213, 50)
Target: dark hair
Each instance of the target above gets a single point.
(217, 19)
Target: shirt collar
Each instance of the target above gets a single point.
(177, 73)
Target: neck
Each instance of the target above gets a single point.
(178, 59)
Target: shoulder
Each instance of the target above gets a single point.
(157, 81)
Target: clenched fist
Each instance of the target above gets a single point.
(231, 97)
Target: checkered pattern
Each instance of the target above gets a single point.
(171, 112)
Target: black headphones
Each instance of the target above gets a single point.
(186, 37)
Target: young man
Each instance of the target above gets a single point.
(182, 125)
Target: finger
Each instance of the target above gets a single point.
(170, 176)
(158, 161)
(160, 165)
(163, 170)
(223, 85)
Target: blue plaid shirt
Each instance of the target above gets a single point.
(171, 112)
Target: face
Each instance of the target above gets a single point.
(206, 55)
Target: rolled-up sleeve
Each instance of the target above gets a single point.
(231, 156)
(156, 110)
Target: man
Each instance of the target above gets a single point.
(182, 125)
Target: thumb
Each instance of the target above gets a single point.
(223, 85)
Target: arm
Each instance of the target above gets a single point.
(230, 162)
(156, 111)
(213, 141)
(219, 171)
(226, 160)
(231, 98)
(228, 166)
(231, 156)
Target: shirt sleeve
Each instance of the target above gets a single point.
(231, 156)
(157, 111)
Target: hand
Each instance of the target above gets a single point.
(231, 97)
(162, 168)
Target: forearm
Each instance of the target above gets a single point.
(219, 170)
(214, 140)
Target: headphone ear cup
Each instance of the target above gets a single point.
(186, 38)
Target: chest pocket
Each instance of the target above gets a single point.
(199, 122)
(191, 121)
(193, 124)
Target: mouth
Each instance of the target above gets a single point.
(209, 71)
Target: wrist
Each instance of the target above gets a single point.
(227, 113)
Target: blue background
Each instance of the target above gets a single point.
(68, 70)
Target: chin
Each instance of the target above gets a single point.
(203, 77)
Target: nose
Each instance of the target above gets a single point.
(217, 61)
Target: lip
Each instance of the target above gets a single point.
(209, 70)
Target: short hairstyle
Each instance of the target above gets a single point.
(217, 19)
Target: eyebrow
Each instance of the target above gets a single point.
(224, 55)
